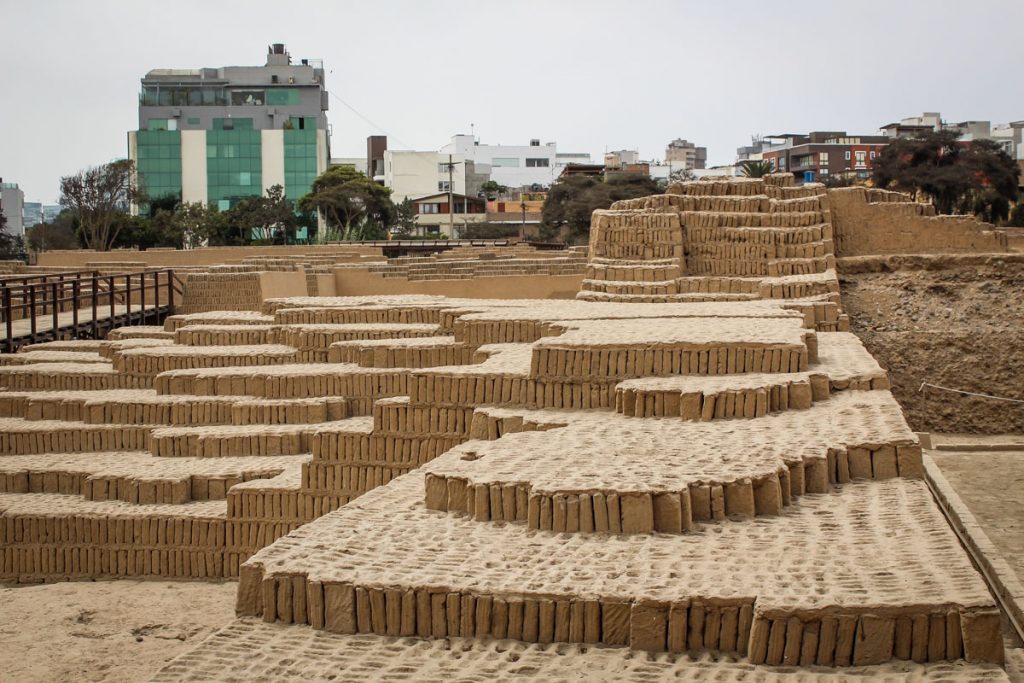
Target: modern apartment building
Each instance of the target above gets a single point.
(12, 203)
(515, 166)
(683, 155)
(219, 135)
(37, 212)
(818, 155)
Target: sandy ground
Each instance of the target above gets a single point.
(990, 484)
(105, 630)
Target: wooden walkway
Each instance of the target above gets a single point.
(66, 329)
(95, 305)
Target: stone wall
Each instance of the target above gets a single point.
(870, 221)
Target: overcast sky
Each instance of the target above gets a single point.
(590, 76)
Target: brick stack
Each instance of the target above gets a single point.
(737, 239)
(710, 476)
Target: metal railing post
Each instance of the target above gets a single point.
(76, 292)
(8, 314)
(55, 310)
(95, 306)
(170, 292)
(32, 311)
(128, 298)
(110, 293)
(156, 296)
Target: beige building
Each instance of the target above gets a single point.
(683, 155)
(412, 174)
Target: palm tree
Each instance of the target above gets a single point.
(756, 168)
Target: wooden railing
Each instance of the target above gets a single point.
(103, 300)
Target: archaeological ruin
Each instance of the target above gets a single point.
(692, 469)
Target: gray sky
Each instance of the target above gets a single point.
(589, 75)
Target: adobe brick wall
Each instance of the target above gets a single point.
(204, 256)
(869, 221)
(361, 282)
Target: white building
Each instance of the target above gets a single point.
(412, 174)
(512, 165)
(12, 203)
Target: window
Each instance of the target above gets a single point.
(823, 172)
(505, 161)
(823, 158)
(430, 208)
(283, 96)
(872, 155)
(442, 167)
(537, 163)
(773, 163)
(847, 155)
(248, 97)
(245, 178)
(860, 159)
(782, 163)
(442, 186)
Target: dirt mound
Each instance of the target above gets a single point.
(942, 322)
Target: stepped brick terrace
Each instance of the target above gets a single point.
(693, 470)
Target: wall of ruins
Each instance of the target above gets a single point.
(244, 291)
(362, 282)
(871, 221)
(204, 256)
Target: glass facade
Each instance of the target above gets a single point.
(299, 156)
(159, 162)
(283, 96)
(175, 95)
(234, 162)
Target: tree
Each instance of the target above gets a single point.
(97, 196)
(348, 199)
(405, 217)
(573, 199)
(492, 187)
(755, 168)
(270, 217)
(61, 233)
(977, 176)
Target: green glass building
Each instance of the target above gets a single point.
(219, 135)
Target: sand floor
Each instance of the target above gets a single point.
(105, 630)
(990, 484)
